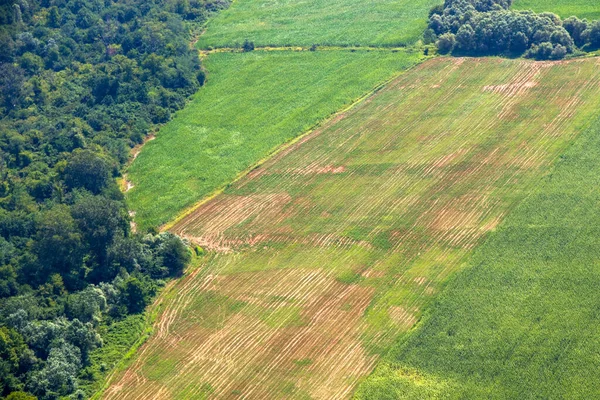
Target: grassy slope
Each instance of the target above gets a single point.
(252, 103)
(565, 8)
(325, 22)
(344, 239)
(522, 321)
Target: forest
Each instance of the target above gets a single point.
(488, 27)
(81, 83)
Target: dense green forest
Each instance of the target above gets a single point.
(81, 82)
(488, 27)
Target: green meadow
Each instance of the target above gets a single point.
(303, 23)
(522, 320)
(251, 104)
(589, 9)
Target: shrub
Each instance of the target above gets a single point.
(446, 43)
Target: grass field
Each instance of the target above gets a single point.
(589, 9)
(323, 257)
(252, 103)
(521, 321)
(303, 23)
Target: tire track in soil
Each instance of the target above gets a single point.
(396, 191)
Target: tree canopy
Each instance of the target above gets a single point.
(81, 83)
(488, 27)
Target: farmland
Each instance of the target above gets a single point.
(565, 8)
(521, 321)
(252, 103)
(332, 23)
(327, 254)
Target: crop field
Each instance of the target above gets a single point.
(521, 320)
(322, 258)
(308, 22)
(252, 103)
(565, 8)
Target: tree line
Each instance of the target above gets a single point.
(81, 83)
(489, 27)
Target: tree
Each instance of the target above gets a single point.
(446, 43)
(489, 27)
(465, 38)
(559, 52)
(87, 170)
(592, 35)
(575, 27)
(58, 246)
(543, 51)
(12, 347)
(173, 253)
(11, 85)
(53, 17)
(84, 337)
(519, 43)
(127, 253)
(86, 305)
(136, 295)
(99, 219)
(59, 375)
(561, 37)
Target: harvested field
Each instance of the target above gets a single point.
(251, 104)
(521, 320)
(327, 253)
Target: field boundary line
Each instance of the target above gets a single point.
(147, 332)
(225, 49)
(187, 211)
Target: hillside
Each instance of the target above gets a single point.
(322, 257)
(252, 103)
(521, 321)
(299, 199)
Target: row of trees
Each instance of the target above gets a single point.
(81, 82)
(488, 27)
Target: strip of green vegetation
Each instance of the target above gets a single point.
(565, 8)
(523, 320)
(252, 103)
(338, 22)
(117, 340)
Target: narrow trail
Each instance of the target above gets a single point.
(206, 52)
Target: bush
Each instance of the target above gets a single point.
(248, 45)
(446, 43)
(542, 51)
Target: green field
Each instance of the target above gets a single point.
(322, 258)
(522, 321)
(307, 22)
(252, 103)
(589, 9)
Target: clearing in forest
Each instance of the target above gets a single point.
(323, 256)
(564, 8)
(322, 22)
(252, 103)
